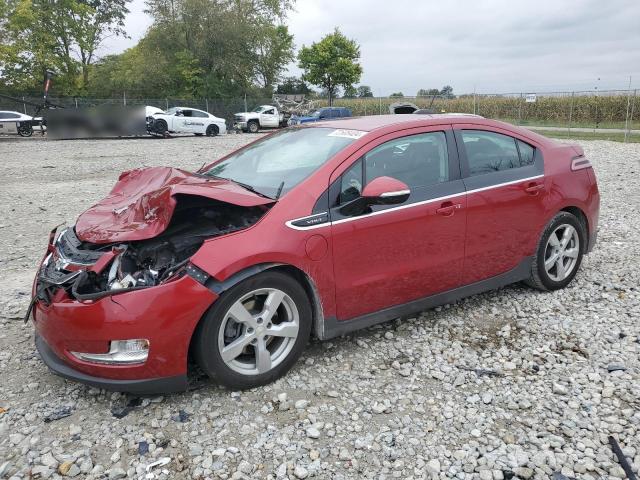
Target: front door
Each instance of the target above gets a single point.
(506, 193)
(269, 118)
(398, 253)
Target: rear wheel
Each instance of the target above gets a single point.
(255, 331)
(25, 129)
(212, 130)
(559, 253)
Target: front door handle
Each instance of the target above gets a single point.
(534, 188)
(448, 208)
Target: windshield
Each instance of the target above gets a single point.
(171, 111)
(279, 162)
(257, 109)
(315, 114)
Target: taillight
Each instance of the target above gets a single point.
(580, 162)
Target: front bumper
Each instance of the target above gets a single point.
(166, 315)
(240, 125)
(176, 383)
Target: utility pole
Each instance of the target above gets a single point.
(626, 119)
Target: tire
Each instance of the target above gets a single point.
(564, 233)
(25, 130)
(247, 366)
(160, 127)
(212, 130)
(253, 127)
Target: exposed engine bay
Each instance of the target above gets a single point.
(89, 271)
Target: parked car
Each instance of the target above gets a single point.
(321, 229)
(325, 113)
(264, 116)
(16, 123)
(184, 120)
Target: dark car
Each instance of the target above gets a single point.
(320, 229)
(326, 113)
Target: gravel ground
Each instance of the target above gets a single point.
(509, 383)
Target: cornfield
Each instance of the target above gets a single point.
(589, 110)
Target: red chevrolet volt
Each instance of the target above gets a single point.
(314, 230)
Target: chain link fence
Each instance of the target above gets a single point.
(615, 113)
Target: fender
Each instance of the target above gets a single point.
(219, 287)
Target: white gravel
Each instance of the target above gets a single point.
(512, 382)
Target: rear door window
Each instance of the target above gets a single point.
(489, 151)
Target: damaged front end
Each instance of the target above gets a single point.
(81, 270)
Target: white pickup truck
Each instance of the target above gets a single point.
(264, 116)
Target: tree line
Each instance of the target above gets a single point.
(193, 49)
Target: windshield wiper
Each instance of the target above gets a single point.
(246, 186)
(251, 188)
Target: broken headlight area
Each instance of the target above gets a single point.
(87, 271)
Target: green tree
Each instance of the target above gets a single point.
(364, 91)
(63, 34)
(274, 50)
(331, 63)
(447, 91)
(397, 95)
(293, 86)
(428, 92)
(240, 46)
(350, 92)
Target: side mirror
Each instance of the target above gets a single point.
(380, 191)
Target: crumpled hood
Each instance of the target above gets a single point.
(142, 202)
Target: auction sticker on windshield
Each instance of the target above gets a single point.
(347, 133)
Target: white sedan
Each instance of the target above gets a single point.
(13, 123)
(185, 120)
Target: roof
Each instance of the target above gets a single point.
(377, 122)
(374, 122)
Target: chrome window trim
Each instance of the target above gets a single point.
(402, 207)
(397, 193)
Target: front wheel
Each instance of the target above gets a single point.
(160, 126)
(559, 253)
(255, 331)
(253, 127)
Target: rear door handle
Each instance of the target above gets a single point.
(448, 208)
(534, 188)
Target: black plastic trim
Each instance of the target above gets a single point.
(219, 287)
(311, 220)
(149, 386)
(593, 238)
(322, 204)
(334, 327)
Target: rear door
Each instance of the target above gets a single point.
(398, 253)
(504, 178)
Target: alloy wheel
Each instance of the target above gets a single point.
(562, 252)
(259, 331)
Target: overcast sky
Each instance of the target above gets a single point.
(494, 46)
